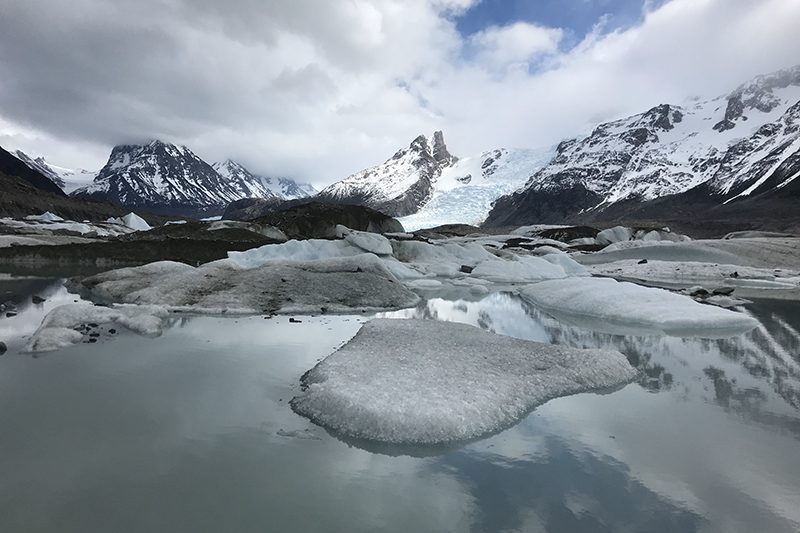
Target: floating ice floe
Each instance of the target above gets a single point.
(36, 226)
(428, 382)
(682, 274)
(615, 234)
(39, 240)
(754, 252)
(61, 326)
(524, 269)
(410, 260)
(132, 221)
(610, 306)
(536, 229)
(47, 216)
(294, 250)
(366, 241)
(271, 232)
(337, 285)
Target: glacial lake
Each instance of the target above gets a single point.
(192, 432)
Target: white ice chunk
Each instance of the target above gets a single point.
(366, 241)
(610, 306)
(568, 264)
(615, 234)
(132, 221)
(294, 250)
(268, 231)
(47, 216)
(425, 381)
(687, 274)
(535, 229)
(525, 269)
(135, 222)
(57, 329)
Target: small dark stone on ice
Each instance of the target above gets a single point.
(3, 348)
(10, 314)
(293, 320)
(723, 291)
(735, 275)
(642, 262)
(466, 269)
(323, 309)
(93, 335)
(92, 340)
(112, 331)
(92, 325)
(37, 299)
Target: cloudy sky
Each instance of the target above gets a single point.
(318, 89)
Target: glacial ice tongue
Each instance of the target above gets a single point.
(609, 306)
(428, 382)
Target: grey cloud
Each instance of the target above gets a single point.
(319, 89)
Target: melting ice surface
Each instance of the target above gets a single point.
(191, 431)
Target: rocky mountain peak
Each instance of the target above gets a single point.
(440, 152)
(663, 117)
(401, 185)
(758, 93)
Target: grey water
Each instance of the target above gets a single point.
(192, 431)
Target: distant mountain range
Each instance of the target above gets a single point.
(66, 178)
(741, 150)
(734, 157)
(280, 188)
(168, 179)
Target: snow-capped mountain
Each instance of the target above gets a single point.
(464, 192)
(67, 178)
(167, 178)
(41, 166)
(401, 185)
(729, 147)
(281, 188)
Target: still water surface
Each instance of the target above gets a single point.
(192, 431)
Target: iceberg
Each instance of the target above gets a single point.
(610, 306)
(132, 221)
(47, 216)
(336, 285)
(429, 382)
(61, 326)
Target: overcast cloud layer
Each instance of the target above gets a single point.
(319, 89)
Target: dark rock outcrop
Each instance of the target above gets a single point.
(317, 220)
